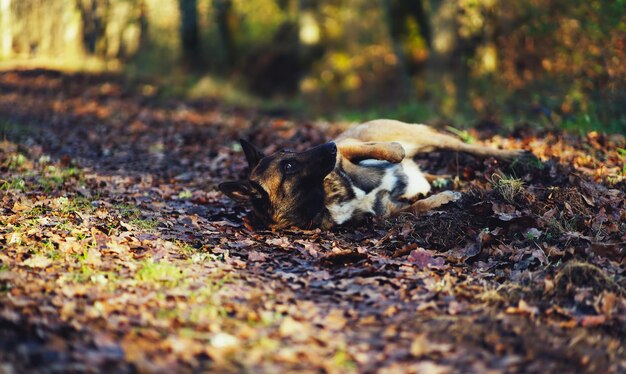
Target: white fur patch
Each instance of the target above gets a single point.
(372, 162)
(409, 148)
(365, 202)
(343, 212)
(362, 202)
(416, 182)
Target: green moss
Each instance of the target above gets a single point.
(159, 272)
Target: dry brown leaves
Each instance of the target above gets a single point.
(118, 252)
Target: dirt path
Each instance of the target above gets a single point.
(119, 254)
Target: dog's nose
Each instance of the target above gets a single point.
(325, 152)
(332, 148)
(326, 148)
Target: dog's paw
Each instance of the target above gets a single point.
(396, 153)
(449, 196)
(434, 201)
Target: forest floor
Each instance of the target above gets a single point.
(118, 253)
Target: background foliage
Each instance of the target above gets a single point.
(556, 63)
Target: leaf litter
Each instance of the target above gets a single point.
(118, 253)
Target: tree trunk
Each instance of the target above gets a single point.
(396, 24)
(6, 33)
(189, 32)
(447, 69)
(223, 19)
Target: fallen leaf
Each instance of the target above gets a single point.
(293, 329)
(423, 258)
(523, 308)
(38, 261)
(223, 340)
(335, 320)
(257, 256)
(278, 242)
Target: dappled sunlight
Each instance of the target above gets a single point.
(514, 61)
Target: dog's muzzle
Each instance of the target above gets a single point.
(324, 156)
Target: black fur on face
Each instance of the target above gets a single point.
(285, 189)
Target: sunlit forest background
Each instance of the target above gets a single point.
(555, 63)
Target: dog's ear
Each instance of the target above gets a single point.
(253, 155)
(238, 191)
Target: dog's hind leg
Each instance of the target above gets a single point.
(448, 142)
(416, 138)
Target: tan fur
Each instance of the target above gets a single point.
(414, 138)
(392, 141)
(355, 150)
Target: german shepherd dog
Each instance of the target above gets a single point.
(367, 170)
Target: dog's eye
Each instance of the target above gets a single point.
(289, 166)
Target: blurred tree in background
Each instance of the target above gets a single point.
(557, 62)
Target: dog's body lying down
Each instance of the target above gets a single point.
(367, 170)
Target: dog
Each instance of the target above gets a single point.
(366, 171)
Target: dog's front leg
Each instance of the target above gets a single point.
(356, 151)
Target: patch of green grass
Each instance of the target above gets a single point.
(622, 154)
(82, 275)
(82, 256)
(33, 222)
(206, 312)
(200, 257)
(50, 184)
(594, 119)
(186, 248)
(87, 274)
(13, 184)
(206, 303)
(77, 204)
(147, 224)
(128, 211)
(196, 256)
(64, 226)
(342, 360)
(185, 195)
(15, 161)
(464, 135)
(53, 178)
(5, 285)
(134, 217)
(167, 313)
(80, 236)
(160, 272)
(440, 183)
(47, 248)
(509, 187)
(37, 211)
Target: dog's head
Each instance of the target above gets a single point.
(286, 188)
